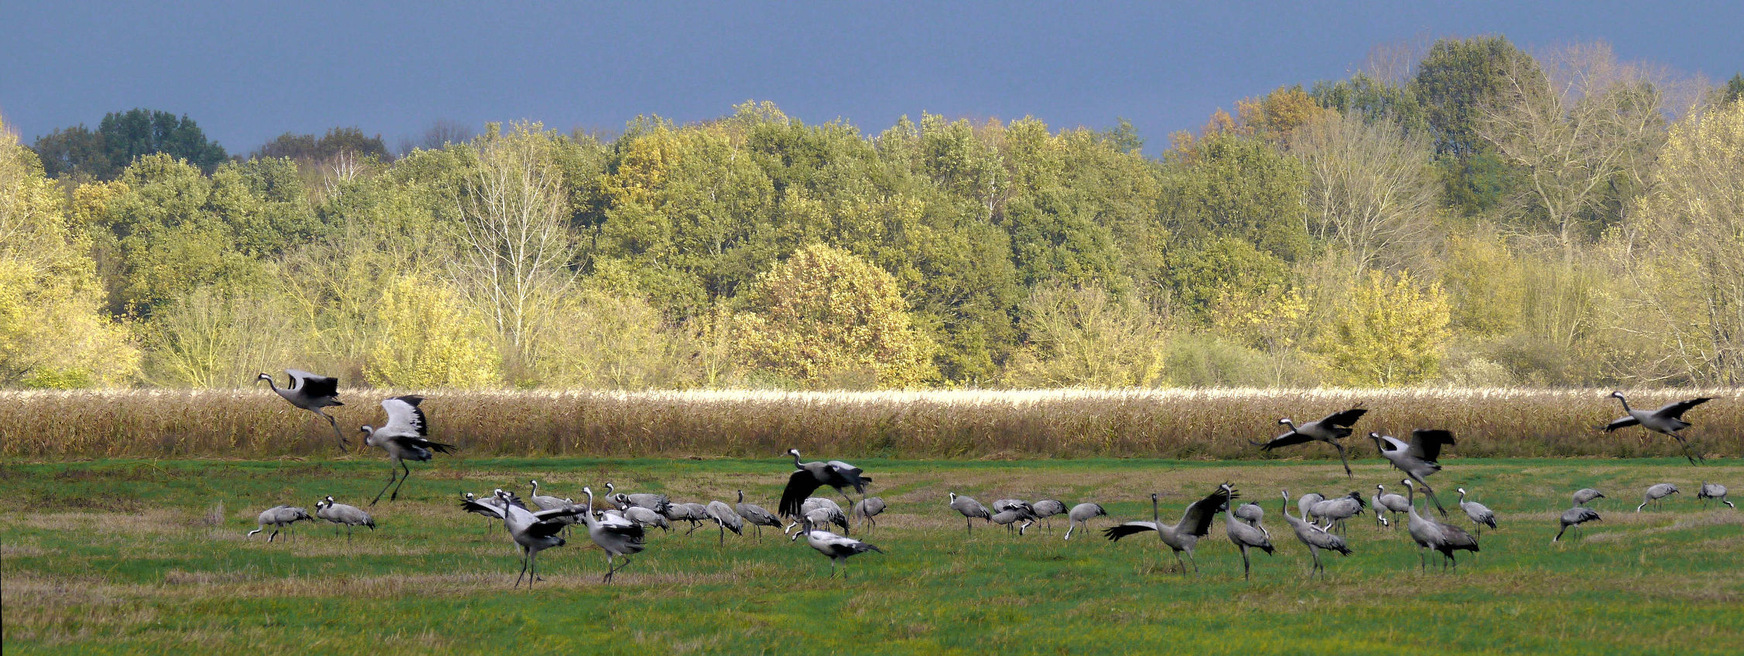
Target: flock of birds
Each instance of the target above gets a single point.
(619, 524)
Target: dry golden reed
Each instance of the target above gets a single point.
(1190, 424)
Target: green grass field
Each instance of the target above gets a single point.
(149, 556)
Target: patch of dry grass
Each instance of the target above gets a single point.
(1186, 424)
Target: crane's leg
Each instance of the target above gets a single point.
(1422, 559)
(723, 533)
(403, 477)
(532, 568)
(1315, 552)
(336, 434)
(1430, 492)
(274, 534)
(1342, 459)
(1686, 450)
(1244, 564)
(610, 569)
(392, 475)
(969, 525)
(523, 573)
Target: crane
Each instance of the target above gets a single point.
(406, 436)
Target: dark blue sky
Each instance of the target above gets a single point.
(250, 71)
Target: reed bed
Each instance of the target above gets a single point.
(1071, 423)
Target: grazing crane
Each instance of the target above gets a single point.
(1575, 517)
(868, 508)
(532, 531)
(405, 437)
(1667, 420)
(727, 518)
(644, 517)
(1417, 459)
(1655, 493)
(695, 513)
(1431, 534)
(1081, 514)
(279, 517)
(1245, 536)
(1478, 513)
(1315, 537)
(1586, 496)
(617, 538)
(1002, 505)
(341, 514)
(1713, 491)
(1014, 513)
(835, 547)
(756, 516)
(1334, 511)
(809, 476)
(1253, 514)
(1183, 535)
(311, 392)
(1047, 508)
(1390, 502)
(654, 502)
(1329, 429)
(971, 511)
(823, 512)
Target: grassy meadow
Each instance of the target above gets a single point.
(137, 555)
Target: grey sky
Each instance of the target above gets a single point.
(250, 71)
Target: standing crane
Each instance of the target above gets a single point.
(1417, 459)
(755, 515)
(1183, 535)
(1388, 502)
(406, 436)
(310, 392)
(340, 514)
(1329, 429)
(1245, 536)
(1047, 508)
(835, 547)
(1431, 534)
(1478, 513)
(971, 510)
(1667, 420)
(868, 509)
(1315, 537)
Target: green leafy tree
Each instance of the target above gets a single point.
(53, 332)
(826, 317)
(430, 338)
(1085, 337)
(1234, 186)
(1394, 334)
(1453, 83)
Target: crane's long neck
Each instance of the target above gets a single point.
(796, 462)
(1625, 402)
(1156, 518)
(1411, 500)
(741, 496)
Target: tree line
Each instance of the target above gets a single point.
(1476, 215)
